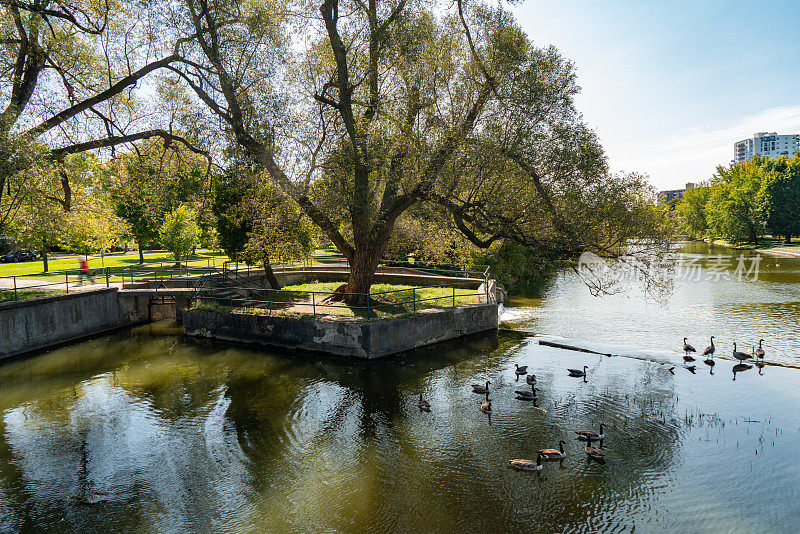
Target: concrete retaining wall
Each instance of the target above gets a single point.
(42, 322)
(344, 336)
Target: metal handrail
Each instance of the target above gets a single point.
(269, 299)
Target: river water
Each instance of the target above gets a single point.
(144, 431)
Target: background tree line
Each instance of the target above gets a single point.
(744, 202)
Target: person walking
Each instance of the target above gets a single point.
(85, 272)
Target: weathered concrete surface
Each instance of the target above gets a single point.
(344, 336)
(42, 322)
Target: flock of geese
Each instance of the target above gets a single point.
(756, 353)
(521, 464)
(589, 436)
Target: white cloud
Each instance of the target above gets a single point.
(693, 154)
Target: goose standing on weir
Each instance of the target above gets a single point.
(741, 356)
(709, 353)
(687, 349)
(759, 351)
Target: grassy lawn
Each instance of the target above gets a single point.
(388, 300)
(22, 294)
(115, 261)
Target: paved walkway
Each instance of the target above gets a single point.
(51, 285)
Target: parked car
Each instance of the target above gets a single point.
(19, 255)
(27, 255)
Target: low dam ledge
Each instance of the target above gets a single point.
(344, 336)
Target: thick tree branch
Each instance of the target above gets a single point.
(115, 140)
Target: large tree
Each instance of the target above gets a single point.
(375, 107)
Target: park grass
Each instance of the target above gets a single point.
(7, 295)
(114, 261)
(387, 300)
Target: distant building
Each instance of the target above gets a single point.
(766, 144)
(665, 197)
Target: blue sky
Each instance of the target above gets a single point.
(670, 86)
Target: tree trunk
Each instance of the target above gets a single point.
(141, 254)
(362, 272)
(270, 274)
(787, 239)
(44, 256)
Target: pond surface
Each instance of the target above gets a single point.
(144, 431)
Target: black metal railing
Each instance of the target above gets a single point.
(318, 303)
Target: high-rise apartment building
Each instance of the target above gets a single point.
(766, 144)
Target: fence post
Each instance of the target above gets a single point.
(66, 279)
(15, 288)
(314, 303)
(414, 299)
(107, 281)
(454, 295)
(269, 292)
(367, 305)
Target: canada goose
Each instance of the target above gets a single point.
(526, 395)
(691, 368)
(553, 454)
(709, 353)
(687, 349)
(486, 407)
(594, 452)
(526, 465)
(741, 356)
(587, 435)
(521, 370)
(671, 370)
(423, 404)
(759, 351)
(477, 388)
(577, 372)
(531, 379)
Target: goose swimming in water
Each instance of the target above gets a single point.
(423, 404)
(687, 349)
(554, 454)
(588, 435)
(531, 379)
(577, 372)
(521, 370)
(477, 388)
(526, 465)
(527, 395)
(486, 407)
(741, 356)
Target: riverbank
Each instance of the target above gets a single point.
(790, 251)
